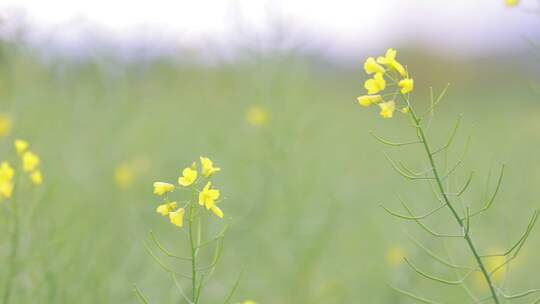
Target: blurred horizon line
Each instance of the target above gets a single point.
(82, 37)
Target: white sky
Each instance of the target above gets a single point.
(339, 25)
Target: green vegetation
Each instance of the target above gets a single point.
(302, 192)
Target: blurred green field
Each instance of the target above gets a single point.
(302, 193)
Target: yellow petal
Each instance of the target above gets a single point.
(162, 209)
(387, 109)
(217, 211)
(406, 85)
(188, 177)
(368, 100)
(391, 54)
(208, 168)
(371, 66)
(177, 217)
(394, 64)
(161, 188)
(376, 84)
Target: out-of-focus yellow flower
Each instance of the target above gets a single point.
(126, 172)
(491, 264)
(371, 66)
(161, 188)
(395, 256)
(208, 197)
(36, 178)
(406, 85)
(21, 146)
(124, 175)
(390, 61)
(404, 110)
(188, 177)
(6, 189)
(30, 161)
(511, 3)
(177, 217)
(208, 168)
(368, 100)
(257, 116)
(6, 172)
(6, 177)
(248, 302)
(387, 109)
(164, 209)
(5, 124)
(375, 84)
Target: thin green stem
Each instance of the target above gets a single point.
(437, 177)
(12, 259)
(193, 255)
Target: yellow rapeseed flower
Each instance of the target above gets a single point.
(30, 161)
(177, 217)
(208, 196)
(371, 66)
(511, 3)
(124, 175)
(5, 124)
(406, 85)
(404, 110)
(387, 109)
(164, 209)
(21, 146)
(375, 84)
(248, 302)
(188, 177)
(208, 168)
(161, 188)
(390, 61)
(257, 116)
(36, 178)
(368, 100)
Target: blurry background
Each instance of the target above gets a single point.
(117, 94)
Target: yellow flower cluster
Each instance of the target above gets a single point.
(30, 165)
(30, 161)
(207, 197)
(386, 68)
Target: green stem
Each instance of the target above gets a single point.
(193, 255)
(12, 259)
(440, 186)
